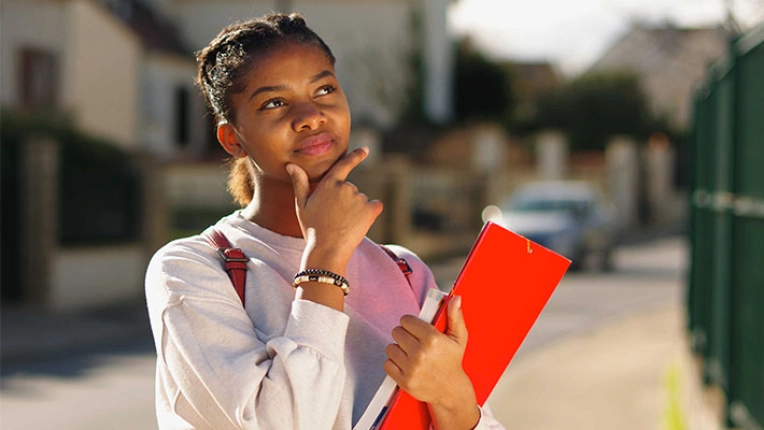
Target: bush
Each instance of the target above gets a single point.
(593, 108)
(99, 188)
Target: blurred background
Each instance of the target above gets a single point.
(627, 135)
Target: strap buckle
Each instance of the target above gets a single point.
(227, 259)
(404, 266)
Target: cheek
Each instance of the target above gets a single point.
(343, 119)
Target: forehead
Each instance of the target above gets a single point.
(288, 60)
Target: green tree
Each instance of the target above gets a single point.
(483, 88)
(595, 107)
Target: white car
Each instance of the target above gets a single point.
(568, 217)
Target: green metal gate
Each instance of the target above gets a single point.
(726, 279)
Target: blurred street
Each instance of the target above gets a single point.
(596, 359)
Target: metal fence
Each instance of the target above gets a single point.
(726, 280)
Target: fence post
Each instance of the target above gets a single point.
(39, 217)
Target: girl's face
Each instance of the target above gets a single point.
(291, 111)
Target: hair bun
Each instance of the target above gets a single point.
(297, 20)
(293, 21)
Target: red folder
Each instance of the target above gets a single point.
(505, 283)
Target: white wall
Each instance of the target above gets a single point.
(29, 24)
(162, 74)
(199, 21)
(103, 73)
(89, 277)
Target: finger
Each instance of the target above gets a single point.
(457, 329)
(397, 355)
(300, 184)
(346, 164)
(404, 339)
(393, 370)
(376, 207)
(418, 328)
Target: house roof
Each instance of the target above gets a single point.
(668, 61)
(643, 45)
(531, 79)
(156, 32)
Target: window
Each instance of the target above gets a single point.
(181, 108)
(39, 79)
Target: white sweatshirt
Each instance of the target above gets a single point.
(276, 363)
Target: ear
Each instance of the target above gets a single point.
(229, 140)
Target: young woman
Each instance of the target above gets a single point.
(298, 351)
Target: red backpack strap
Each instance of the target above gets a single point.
(234, 258)
(401, 262)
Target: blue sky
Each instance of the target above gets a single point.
(573, 33)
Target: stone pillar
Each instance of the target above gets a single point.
(489, 150)
(622, 166)
(154, 223)
(659, 174)
(551, 155)
(39, 217)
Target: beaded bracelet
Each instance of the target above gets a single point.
(324, 277)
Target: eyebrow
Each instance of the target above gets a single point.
(274, 88)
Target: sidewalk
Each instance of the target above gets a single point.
(636, 373)
(29, 334)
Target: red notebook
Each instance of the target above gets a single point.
(504, 284)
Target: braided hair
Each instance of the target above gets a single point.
(223, 64)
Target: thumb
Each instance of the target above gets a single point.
(299, 183)
(457, 329)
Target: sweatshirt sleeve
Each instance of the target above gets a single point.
(220, 375)
(487, 421)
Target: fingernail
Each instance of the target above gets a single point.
(458, 302)
(290, 169)
(364, 149)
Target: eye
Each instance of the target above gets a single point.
(326, 89)
(272, 104)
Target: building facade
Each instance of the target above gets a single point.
(669, 62)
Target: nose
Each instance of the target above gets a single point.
(308, 116)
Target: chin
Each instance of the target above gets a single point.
(319, 168)
(315, 174)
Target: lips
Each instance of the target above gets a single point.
(318, 144)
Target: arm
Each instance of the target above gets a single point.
(217, 373)
(334, 218)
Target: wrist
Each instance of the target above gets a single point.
(465, 417)
(322, 276)
(457, 409)
(318, 256)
